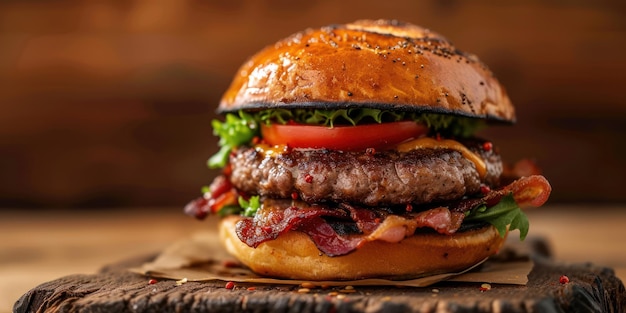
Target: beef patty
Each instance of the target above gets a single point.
(372, 179)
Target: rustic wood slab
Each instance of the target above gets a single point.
(114, 289)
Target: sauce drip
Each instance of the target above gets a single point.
(430, 143)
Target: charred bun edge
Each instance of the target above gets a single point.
(293, 255)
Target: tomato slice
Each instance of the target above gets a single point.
(360, 137)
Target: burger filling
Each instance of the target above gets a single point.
(347, 177)
(371, 178)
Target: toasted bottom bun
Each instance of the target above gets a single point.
(293, 255)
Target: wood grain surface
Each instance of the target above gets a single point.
(590, 289)
(37, 247)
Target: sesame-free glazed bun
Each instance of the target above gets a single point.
(293, 255)
(375, 64)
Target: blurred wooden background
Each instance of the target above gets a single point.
(108, 103)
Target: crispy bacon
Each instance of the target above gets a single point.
(440, 219)
(279, 216)
(327, 240)
(221, 193)
(527, 191)
(366, 220)
(374, 224)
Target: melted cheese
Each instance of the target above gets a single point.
(430, 143)
(270, 151)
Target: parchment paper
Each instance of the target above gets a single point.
(202, 258)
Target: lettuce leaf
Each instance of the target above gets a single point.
(250, 206)
(446, 124)
(505, 213)
(456, 126)
(235, 131)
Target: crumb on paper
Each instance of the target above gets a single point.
(307, 285)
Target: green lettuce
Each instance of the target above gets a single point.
(505, 213)
(329, 117)
(455, 126)
(250, 206)
(446, 124)
(235, 131)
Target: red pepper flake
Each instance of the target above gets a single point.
(484, 189)
(152, 281)
(563, 279)
(308, 178)
(251, 288)
(409, 207)
(267, 229)
(229, 285)
(370, 151)
(294, 195)
(487, 146)
(484, 287)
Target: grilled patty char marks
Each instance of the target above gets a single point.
(383, 178)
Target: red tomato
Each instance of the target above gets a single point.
(360, 137)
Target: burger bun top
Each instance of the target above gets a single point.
(382, 64)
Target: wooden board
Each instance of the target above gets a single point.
(114, 289)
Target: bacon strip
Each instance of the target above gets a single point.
(327, 240)
(271, 221)
(394, 228)
(221, 194)
(274, 219)
(277, 217)
(527, 191)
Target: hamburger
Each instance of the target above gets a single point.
(350, 152)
